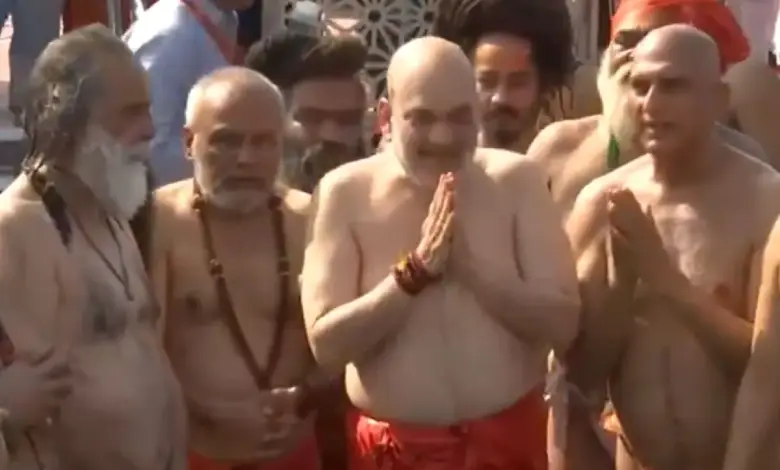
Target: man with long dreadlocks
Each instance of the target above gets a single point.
(85, 381)
(522, 55)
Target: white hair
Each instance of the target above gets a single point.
(219, 78)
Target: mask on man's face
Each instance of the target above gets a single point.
(116, 173)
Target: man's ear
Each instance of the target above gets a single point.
(187, 138)
(383, 116)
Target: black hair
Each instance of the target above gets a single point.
(287, 58)
(546, 24)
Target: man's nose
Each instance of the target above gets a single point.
(441, 134)
(500, 94)
(332, 131)
(651, 102)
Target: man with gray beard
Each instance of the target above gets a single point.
(574, 152)
(84, 380)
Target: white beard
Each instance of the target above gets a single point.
(115, 173)
(616, 109)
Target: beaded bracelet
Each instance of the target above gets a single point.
(411, 275)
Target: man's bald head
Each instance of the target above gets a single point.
(226, 87)
(427, 58)
(683, 46)
(432, 107)
(678, 88)
(233, 134)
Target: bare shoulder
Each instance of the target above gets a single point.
(561, 137)
(511, 168)
(295, 201)
(351, 179)
(173, 197)
(22, 212)
(633, 172)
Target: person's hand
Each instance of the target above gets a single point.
(282, 427)
(434, 248)
(615, 71)
(622, 271)
(639, 245)
(32, 392)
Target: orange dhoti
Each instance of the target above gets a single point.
(514, 439)
(304, 457)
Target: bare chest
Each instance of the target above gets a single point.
(104, 284)
(391, 228)
(243, 263)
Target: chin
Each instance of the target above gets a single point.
(239, 201)
(127, 191)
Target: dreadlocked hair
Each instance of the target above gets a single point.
(287, 58)
(65, 84)
(544, 23)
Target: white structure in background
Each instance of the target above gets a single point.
(758, 19)
(386, 24)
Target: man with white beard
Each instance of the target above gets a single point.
(575, 152)
(84, 380)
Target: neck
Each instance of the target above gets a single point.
(687, 166)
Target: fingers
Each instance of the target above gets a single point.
(619, 60)
(442, 229)
(434, 208)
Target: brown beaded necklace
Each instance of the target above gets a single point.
(262, 377)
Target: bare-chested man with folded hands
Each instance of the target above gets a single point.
(446, 351)
(667, 252)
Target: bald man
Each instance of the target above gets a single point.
(667, 252)
(226, 250)
(442, 312)
(574, 152)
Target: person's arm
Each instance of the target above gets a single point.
(606, 318)
(757, 411)
(159, 261)
(171, 69)
(539, 303)
(725, 332)
(342, 323)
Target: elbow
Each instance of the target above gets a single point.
(327, 350)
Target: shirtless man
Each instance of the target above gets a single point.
(85, 381)
(480, 294)
(754, 433)
(226, 250)
(575, 152)
(522, 55)
(667, 249)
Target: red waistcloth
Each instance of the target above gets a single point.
(514, 439)
(304, 457)
(711, 16)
